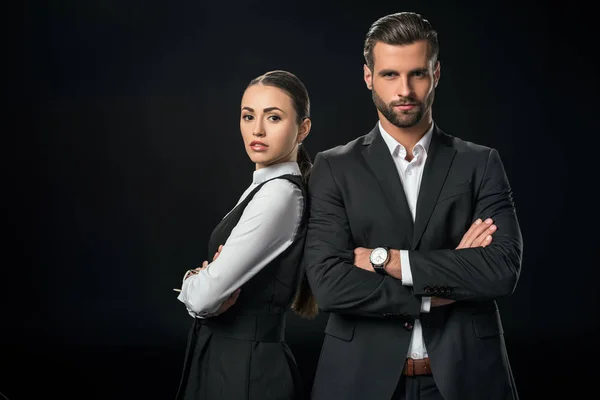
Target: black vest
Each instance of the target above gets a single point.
(265, 298)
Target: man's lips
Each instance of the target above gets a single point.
(405, 107)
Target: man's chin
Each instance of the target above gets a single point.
(404, 123)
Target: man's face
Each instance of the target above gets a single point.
(403, 82)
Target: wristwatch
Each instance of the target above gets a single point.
(379, 256)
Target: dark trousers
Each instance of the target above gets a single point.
(417, 388)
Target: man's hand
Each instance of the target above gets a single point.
(438, 301)
(478, 235)
(362, 258)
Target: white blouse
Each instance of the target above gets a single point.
(267, 227)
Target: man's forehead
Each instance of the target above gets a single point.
(413, 55)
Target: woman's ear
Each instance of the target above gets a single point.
(304, 129)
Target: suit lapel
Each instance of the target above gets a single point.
(439, 158)
(380, 162)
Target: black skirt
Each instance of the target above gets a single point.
(244, 360)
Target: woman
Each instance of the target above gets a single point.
(236, 348)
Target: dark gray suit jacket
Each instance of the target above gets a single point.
(357, 200)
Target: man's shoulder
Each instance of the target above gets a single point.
(344, 150)
(465, 146)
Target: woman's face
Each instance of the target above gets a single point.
(269, 126)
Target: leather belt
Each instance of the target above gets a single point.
(414, 367)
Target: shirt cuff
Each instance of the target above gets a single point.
(405, 268)
(182, 298)
(425, 304)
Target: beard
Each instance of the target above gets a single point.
(403, 119)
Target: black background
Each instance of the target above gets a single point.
(127, 152)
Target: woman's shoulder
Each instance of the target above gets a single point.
(284, 185)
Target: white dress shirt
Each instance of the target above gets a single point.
(266, 228)
(410, 176)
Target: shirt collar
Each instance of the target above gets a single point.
(273, 171)
(393, 144)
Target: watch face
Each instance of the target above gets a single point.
(378, 256)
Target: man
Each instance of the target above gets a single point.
(411, 296)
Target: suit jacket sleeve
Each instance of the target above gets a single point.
(338, 285)
(477, 273)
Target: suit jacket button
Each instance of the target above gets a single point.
(408, 326)
(427, 289)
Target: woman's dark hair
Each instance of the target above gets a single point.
(304, 303)
(293, 87)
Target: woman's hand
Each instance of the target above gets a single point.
(231, 300)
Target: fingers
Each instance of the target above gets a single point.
(477, 229)
(467, 236)
(218, 252)
(196, 270)
(485, 238)
(233, 298)
(474, 231)
(230, 301)
(482, 240)
(204, 264)
(190, 273)
(438, 302)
